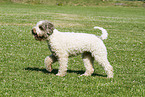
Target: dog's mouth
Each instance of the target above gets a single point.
(40, 38)
(37, 37)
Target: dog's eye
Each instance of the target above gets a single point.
(40, 27)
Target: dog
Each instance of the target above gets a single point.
(65, 44)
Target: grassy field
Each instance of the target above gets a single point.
(22, 70)
(132, 3)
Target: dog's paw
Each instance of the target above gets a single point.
(49, 70)
(110, 76)
(85, 74)
(58, 74)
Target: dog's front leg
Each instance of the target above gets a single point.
(63, 66)
(49, 60)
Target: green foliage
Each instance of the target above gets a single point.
(22, 70)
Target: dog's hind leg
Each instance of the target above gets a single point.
(49, 60)
(105, 64)
(88, 63)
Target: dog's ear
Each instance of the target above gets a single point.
(49, 28)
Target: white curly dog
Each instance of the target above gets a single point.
(65, 44)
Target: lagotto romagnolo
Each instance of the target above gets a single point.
(65, 44)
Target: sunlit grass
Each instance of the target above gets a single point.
(22, 70)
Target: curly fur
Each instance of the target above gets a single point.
(65, 44)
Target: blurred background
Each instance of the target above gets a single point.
(132, 3)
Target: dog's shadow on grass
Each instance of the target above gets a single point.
(55, 71)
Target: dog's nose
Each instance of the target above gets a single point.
(34, 31)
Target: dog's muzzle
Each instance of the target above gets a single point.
(36, 36)
(34, 32)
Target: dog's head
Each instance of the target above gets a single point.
(42, 30)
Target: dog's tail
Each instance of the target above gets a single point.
(104, 33)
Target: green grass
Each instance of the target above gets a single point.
(132, 3)
(22, 70)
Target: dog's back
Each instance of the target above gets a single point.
(75, 43)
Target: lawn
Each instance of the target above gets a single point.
(22, 70)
